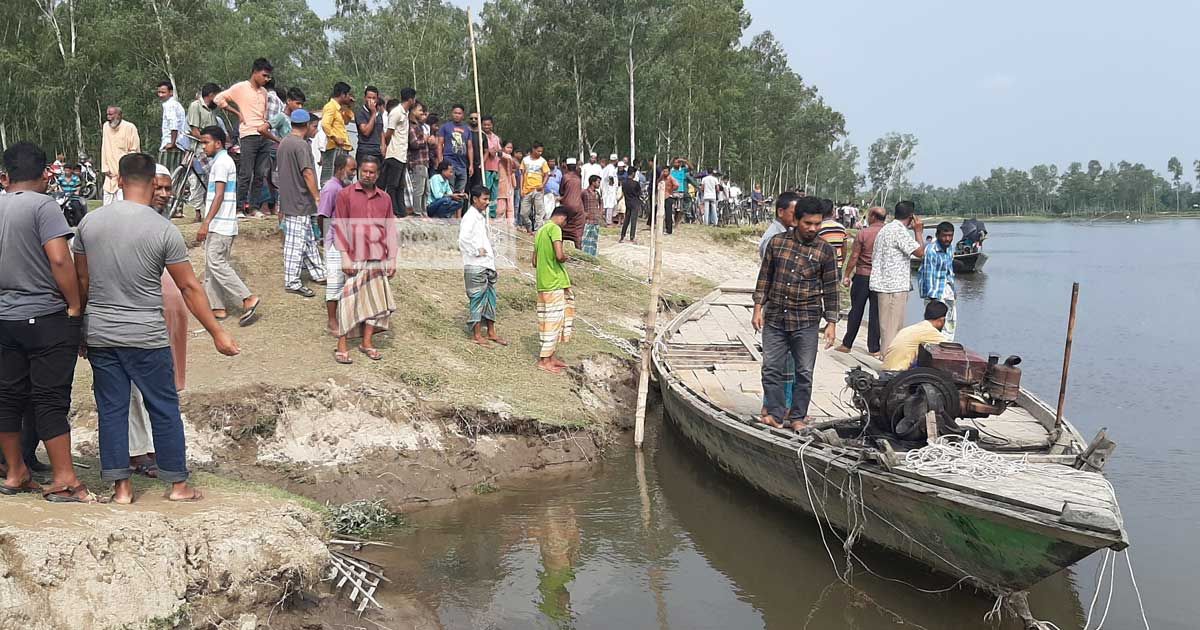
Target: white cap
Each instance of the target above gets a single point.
(159, 169)
(612, 157)
(571, 161)
(621, 163)
(593, 154)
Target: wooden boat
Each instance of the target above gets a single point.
(963, 263)
(1003, 535)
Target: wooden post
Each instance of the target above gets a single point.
(478, 108)
(1062, 385)
(639, 427)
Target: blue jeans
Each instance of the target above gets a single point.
(445, 208)
(153, 371)
(778, 345)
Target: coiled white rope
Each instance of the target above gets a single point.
(951, 454)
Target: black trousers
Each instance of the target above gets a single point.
(632, 209)
(392, 181)
(37, 368)
(668, 215)
(255, 154)
(860, 296)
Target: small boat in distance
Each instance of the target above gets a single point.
(969, 256)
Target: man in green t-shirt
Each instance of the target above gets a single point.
(555, 302)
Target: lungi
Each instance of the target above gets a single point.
(366, 299)
(556, 319)
(591, 239)
(481, 291)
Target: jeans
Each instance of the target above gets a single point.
(37, 368)
(420, 181)
(393, 182)
(256, 150)
(444, 208)
(778, 345)
(531, 208)
(153, 371)
(860, 297)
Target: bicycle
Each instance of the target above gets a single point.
(181, 183)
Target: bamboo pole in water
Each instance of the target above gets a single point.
(639, 427)
(1062, 385)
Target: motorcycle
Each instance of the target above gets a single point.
(88, 183)
(73, 208)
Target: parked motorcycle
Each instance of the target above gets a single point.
(73, 208)
(88, 183)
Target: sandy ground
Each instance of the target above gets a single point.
(691, 250)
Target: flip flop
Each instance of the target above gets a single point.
(221, 318)
(53, 494)
(498, 341)
(342, 357)
(552, 370)
(251, 315)
(29, 485)
(196, 496)
(149, 470)
(372, 353)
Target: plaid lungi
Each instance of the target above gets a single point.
(366, 299)
(481, 291)
(327, 158)
(556, 319)
(300, 250)
(591, 239)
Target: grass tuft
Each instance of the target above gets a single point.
(362, 517)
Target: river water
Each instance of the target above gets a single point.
(661, 540)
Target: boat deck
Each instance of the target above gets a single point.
(717, 353)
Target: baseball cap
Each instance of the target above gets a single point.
(300, 117)
(573, 160)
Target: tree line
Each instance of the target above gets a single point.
(642, 78)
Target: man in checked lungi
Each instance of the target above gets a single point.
(479, 268)
(555, 302)
(365, 234)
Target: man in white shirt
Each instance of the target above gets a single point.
(591, 168)
(610, 188)
(479, 269)
(174, 128)
(395, 163)
(219, 229)
(708, 198)
(891, 269)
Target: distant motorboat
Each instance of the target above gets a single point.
(969, 256)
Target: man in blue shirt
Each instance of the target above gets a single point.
(69, 181)
(936, 277)
(456, 145)
(553, 185)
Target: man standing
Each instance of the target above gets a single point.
(858, 278)
(395, 166)
(591, 168)
(248, 100)
(479, 269)
(572, 191)
(420, 145)
(491, 162)
(456, 145)
(365, 234)
(797, 286)
(297, 181)
(936, 277)
(891, 270)
(592, 215)
(201, 113)
(118, 138)
(337, 138)
(610, 188)
(369, 120)
(708, 198)
(219, 228)
(553, 185)
(122, 251)
(174, 128)
(832, 231)
(343, 172)
(534, 170)
(40, 310)
(555, 301)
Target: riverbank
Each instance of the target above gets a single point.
(285, 429)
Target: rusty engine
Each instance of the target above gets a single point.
(948, 379)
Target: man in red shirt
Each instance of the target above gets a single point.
(365, 231)
(857, 276)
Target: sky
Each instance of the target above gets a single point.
(1009, 84)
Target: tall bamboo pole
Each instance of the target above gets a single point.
(475, 76)
(639, 427)
(654, 183)
(1062, 384)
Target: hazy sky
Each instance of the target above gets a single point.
(999, 84)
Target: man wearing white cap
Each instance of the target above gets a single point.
(591, 168)
(609, 188)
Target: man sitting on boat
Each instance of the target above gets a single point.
(902, 352)
(797, 286)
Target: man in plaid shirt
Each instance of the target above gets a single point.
(936, 277)
(797, 287)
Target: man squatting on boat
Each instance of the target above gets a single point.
(797, 286)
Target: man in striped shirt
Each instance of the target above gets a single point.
(936, 277)
(832, 232)
(219, 228)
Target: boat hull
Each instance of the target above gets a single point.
(995, 550)
(963, 263)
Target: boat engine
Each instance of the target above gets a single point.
(948, 379)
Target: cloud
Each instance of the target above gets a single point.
(998, 83)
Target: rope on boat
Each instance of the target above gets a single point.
(951, 454)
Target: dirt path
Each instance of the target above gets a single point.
(690, 251)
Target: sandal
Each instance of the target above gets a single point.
(75, 494)
(29, 485)
(148, 469)
(251, 315)
(342, 357)
(372, 353)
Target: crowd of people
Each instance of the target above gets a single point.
(803, 258)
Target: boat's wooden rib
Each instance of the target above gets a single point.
(1006, 534)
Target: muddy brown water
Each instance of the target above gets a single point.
(661, 540)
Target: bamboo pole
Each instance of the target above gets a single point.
(478, 108)
(1062, 385)
(639, 427)
(650, 258)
